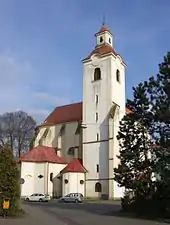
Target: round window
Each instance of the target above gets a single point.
(66, 181)
(81, 181)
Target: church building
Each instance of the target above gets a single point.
(76, 148)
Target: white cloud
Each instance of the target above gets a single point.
(16, 92)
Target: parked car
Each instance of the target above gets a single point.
(72, 197)
(38, 198)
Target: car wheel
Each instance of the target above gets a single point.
(27, 199)
(40, 200)
(76, 201)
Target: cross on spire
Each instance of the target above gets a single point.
(103, 23)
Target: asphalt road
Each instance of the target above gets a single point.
(84, 214)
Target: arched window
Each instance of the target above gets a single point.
(98, 187)
(101, 39)
(118, 75)
(97, 74)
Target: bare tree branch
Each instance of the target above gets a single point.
(17, 129)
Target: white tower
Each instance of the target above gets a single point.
(103, 107)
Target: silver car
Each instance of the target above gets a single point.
(72, 197)
(37, 197)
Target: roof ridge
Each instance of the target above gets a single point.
(42, 153)
(60, 106)
(74, 166)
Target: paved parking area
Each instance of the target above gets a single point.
(84, 214)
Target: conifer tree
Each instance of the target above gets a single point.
(158, 89)
(134, 170)
(150, 114)
(9, 179)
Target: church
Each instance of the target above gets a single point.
(76, 148)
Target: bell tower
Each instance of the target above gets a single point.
(104, 36)
(103, 89)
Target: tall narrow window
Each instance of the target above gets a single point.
(97, 99)
(78, 129)
(97, 136)
(45, 133)
(118, 75)
(97, 168)
(61, 133)
(59, 142)
(62, 129)
(40, 142)
(97, 117)
(51, 176)
(97, 74)
(101, 39)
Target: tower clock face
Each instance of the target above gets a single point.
(95, 61)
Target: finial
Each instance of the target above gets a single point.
(103, 20)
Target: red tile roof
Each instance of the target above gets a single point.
(103, 50)
(74, 167)
(103, 29)
(66, 113)
(42, 154)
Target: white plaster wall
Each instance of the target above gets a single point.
(118, 88)
(96, 153)
(49, 140)
(103, 89)
(40, 133)
(55, 188)
(39, 183)
(68, 139)
(108, 91)
(27, 173)
(30, 172)
(73, 185)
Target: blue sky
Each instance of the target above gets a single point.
(42, 43)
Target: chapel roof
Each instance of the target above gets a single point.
(42, 154)
(74, 167)
(66, 113)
